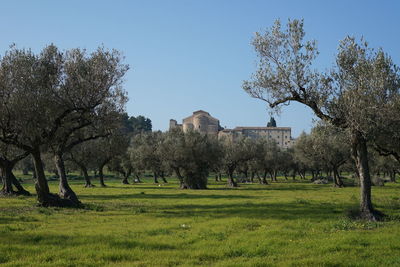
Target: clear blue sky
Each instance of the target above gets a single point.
(190, 55)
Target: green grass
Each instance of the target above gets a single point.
(295, 224)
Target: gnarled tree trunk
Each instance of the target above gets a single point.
(125, 180)
(231, 181)
(101, 176)
(163, 178)
(20, 188)
(137, 178)
(392, 174)
(88, 182)
(7, 188)
(194, 181)
(360, 154)
(41, 186)
(8, 178)
(65, 190)
(45, 198)
(337, 181)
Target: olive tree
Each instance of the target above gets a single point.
(123, 163)
(362, 82)
(83, 156)
(191, 156)
(146, 154)
(331, 146)
(306, 157)
(234, 153)
(47, 97)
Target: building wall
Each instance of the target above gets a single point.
(203, 122)
(281, 135)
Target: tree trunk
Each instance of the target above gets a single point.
(7, 180)
(34, 176)
(393, 176)
(264, 178)
(180, 177)
(101, 176)
(337, 181)
(125, 180)
(271, 176)
(88, 182)
(191, 181)
(252, 175)
(313, 176)
(231, 181)
(45, 198)
(259, 178)
(360, 154)
(65, 190)
(41, 186)
(20, 188)
(163, 178)
(138, 178)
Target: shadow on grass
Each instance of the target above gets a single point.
(243, 207)
(282, 187)
(281, 211)
(182, 196)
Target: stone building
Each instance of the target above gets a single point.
(203, 122)
(200, 121)
(281, 135)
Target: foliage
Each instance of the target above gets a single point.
(191, 156)
(271, 123)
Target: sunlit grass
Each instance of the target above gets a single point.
(282, 223)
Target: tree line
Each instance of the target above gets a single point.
(322, 156)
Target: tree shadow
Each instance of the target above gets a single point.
(280, 211)
(164, 196)
(282, 187)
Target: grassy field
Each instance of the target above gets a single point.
(285, 223)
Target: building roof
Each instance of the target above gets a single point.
(201, 111)
(239, 128)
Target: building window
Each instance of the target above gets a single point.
(285, 136)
